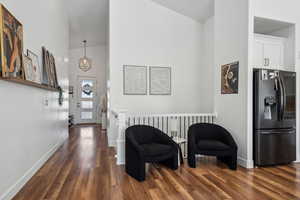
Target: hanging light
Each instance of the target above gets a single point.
(85, 64)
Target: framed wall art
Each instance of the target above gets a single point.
(11, 41)
(134, 80)
(28, 69)
(53, 70)
(45, 69)
(49, 69)
(230, 78)
(36, 66)
(160, 81)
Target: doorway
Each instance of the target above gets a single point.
(86, 106)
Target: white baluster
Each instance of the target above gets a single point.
(165, 122)
(121, 138)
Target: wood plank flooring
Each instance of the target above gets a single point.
(84, 169)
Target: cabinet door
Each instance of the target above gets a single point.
(273, 55)
(258, 54)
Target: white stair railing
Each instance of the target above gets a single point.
(175, 125)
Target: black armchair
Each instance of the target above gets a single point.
(146, 144)
(211, 140)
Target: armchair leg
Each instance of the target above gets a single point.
(134, 164)
(221, 159)
(137, 171)
(172, 163)
(230, 161)
(192, 160)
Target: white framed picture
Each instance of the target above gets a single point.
(134, 80)
(28, 68)
(37, 72)
(160, 81)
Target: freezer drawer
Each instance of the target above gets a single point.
(273, 147)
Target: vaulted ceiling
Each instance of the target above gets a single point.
(199, 10)
(88, 21)
(88, 18)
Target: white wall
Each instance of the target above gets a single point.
(286, 11)
(208, 68)
(145, 33)
(231, 44)
(30, 130)
(98, 70)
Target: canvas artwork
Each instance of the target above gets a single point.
(36, 67)
(28, 68)
(11, 31)
(230, 78)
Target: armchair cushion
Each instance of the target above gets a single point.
(214, 145)
(156, 149)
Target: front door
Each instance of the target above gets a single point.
(86, 100)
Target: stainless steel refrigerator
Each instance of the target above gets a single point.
(274, 117)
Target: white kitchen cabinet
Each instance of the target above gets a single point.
(258, 53)
(273, 53)
(268, 52)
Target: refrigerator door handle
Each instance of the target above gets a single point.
(280, 99)
(283, 98)
(278, 131)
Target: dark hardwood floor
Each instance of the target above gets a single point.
(84, 169)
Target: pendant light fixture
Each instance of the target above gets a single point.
(85, 64)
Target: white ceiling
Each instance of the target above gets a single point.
(199, 10)
(88, 21)
(88, 18)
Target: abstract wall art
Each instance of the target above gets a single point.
(160, 81)
(135, 80)
(11, 40)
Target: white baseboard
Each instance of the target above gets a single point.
(249, 164)
(14, 189)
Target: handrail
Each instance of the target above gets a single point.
(114, 113)
(117, 112)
